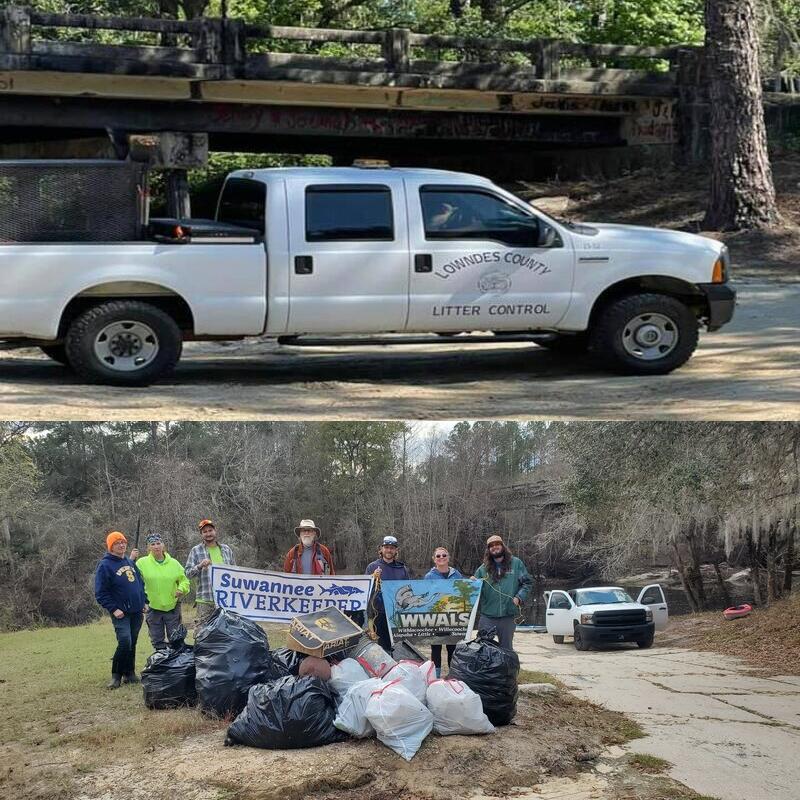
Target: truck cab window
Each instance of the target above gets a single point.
(243, 202)
(456, 213)
(559, 602)
(349, 212)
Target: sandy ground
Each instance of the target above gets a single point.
(728, 733)
(748, 370)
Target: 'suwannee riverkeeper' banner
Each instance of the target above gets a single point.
(440, 609)
(279, 597)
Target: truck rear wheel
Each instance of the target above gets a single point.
(123, 343)
(645, 334)
(57, 352)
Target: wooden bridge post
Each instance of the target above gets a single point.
(15, 30)
(396, 49)
(209, 41)
(547, 60)
(234, 47)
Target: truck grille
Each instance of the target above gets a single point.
(622, 617)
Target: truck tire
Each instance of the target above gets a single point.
(580, 642)
(558, 639)
(123, 343)
(645, 643)
(644, 334)
(57, 352)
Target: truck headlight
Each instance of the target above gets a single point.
(719, 274)
(587, 619)
(648, 615)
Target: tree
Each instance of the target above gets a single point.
(742, 193)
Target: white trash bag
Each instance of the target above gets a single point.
(400, 720)
(456, 708)
(351, 716)
(428, 672)
(345, 674)
(409, 674)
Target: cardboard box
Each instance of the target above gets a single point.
(322, 633)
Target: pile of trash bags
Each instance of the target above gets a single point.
(284, 700)
(491, 672)
(168, 679)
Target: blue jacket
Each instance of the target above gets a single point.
(390, 571)
(434, 573)
(118, 584)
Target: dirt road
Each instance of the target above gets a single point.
(727, 733)
(748, 370)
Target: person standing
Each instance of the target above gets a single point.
(165, 583)
(201, 557)
(441, 569)
(506, 584)
(309, 556)
(119, 589)
(387, 568)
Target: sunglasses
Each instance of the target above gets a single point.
(441, 555)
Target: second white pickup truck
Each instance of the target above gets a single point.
(606, 615)
(368, 251)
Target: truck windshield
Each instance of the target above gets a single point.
(590, 597)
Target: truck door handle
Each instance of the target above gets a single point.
(423, 262)
(303, 265)
(550, 614)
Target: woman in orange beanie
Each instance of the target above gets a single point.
(119, 588)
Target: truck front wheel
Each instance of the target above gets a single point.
(123, 343)
(645, 643)
(645, 334)
(580, 642)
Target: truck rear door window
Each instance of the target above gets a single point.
(349, 212)
(465, 213)
(243, 202)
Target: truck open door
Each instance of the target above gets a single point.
(653, 597)
(559, 616)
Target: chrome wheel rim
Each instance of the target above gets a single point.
(126, 346)
(648, 337)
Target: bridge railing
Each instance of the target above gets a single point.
(230, 48)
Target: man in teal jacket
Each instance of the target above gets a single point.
(165, 583)
(506, 584)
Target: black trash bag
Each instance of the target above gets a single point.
(168, 679)
(231, 654)
(491, 672)
(287, 660)
(287, 713)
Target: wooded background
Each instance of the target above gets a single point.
(578, 502)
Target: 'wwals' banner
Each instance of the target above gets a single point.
(279, 597)
(442, 609)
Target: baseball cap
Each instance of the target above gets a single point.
(391, 540)
(494, 540)
(203, 523)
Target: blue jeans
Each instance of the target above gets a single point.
(127, 630)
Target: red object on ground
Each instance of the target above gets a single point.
(737, 611)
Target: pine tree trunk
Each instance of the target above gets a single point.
(687, 586)
(726, 595)
(742, 192)
(788, 565)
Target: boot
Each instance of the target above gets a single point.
(115, 681)
(130, 677)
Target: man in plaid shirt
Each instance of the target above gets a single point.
(201, 557)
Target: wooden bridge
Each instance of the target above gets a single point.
(345, 92)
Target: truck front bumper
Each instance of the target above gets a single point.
(608, 634)
(721, 301)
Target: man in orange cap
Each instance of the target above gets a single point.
(119, 589)
(201, 557)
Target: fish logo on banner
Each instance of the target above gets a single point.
(438, 609)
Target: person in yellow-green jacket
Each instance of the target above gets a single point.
(165, 583)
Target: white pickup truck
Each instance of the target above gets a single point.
(369, 251)
(606, 615)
